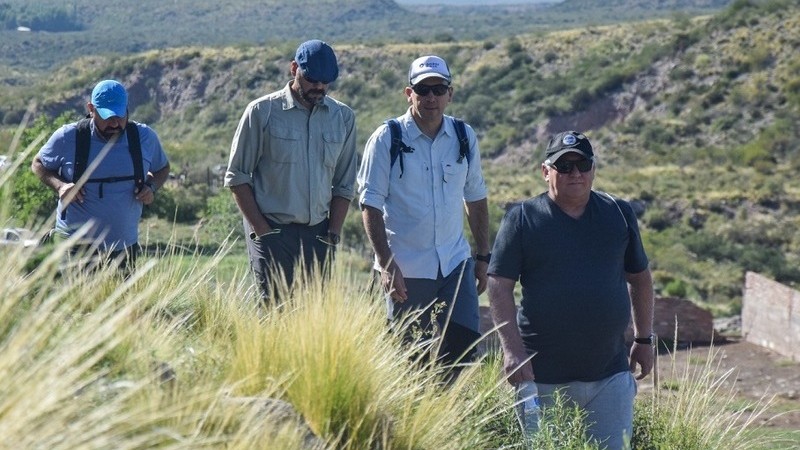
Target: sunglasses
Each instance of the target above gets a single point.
(311, 80)
(423, 89)
(583, 165)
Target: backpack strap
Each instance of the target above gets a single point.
(83, 139)
(135, 149)
(397, 147)
(463, 140)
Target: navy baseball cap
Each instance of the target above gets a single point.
(566, 142)
(317, 61)
(110, 98)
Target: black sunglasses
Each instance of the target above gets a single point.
(311, 80)
(423, 89)
(583, 165)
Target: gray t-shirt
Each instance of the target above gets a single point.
(575, 301)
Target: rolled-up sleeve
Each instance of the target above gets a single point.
(373, 176)
(247, 144)
(344, 176)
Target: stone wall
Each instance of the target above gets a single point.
(771, 315)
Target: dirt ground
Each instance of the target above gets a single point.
(758, 373)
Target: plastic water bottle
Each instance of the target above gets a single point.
(529, 410)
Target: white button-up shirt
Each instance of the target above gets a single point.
(423, 207)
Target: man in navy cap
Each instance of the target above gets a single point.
(579, 258)
(292, 168)
(104, 169)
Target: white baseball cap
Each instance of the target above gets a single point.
(427, 67)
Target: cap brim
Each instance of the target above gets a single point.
(425, 76)
(106, 113)
(554, 157)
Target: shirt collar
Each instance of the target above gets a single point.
(289, 101)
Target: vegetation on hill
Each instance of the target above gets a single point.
(695, 120)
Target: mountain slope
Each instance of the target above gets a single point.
(697, 121)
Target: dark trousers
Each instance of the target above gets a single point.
(449, 304)
(273, 257)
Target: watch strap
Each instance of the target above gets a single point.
(487, 258)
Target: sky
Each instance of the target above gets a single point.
(472, 2)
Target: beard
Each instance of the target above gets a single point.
(313, 96)
(110, 132)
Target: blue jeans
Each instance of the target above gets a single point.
(607, 402)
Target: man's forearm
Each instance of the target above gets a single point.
(375, 228)
(478, 219)
(642, 301)
(246, 201)
(504, 313)
(338, 212)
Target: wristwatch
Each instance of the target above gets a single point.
(649, 340)
(333, 238)
(487, 258)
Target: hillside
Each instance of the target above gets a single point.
(62, 31)
(694, 120)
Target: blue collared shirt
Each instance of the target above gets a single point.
(424, 208)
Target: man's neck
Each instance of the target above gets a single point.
(429, 128)
(572, 206)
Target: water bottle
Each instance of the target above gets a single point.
(529, 411)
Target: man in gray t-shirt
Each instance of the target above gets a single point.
(574, 251)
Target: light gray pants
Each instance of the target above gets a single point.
(607, 402)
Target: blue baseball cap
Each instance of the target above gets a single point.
(110, 98)
(317, 61)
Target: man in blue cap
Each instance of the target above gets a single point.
(292, 168)
(104, 169)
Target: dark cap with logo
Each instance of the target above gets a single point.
(317, 61)
(568, 142)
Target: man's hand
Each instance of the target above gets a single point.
(393, 282)
(480, 275)
(146, 195)
(517, 366)
(642, 355)
(68, 191)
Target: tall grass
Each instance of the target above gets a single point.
(178, 357)
(697, 407)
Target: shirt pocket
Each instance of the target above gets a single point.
(285, 145)
(332, 142)
(412, 192)
(454, 178)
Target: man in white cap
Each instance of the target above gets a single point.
(104, 169)
(292, 168)
(413, 211)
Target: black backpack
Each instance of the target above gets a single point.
(398, 147)
(82, 142)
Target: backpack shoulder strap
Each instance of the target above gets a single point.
(397, 147)
(627, 225)
(463, 140)
(135, 148)
(83, 140)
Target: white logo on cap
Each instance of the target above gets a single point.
(569, 140)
